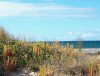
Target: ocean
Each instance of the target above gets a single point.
(84, 44)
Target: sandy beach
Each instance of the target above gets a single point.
(91, 50)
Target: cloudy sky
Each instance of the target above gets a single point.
(51, 19)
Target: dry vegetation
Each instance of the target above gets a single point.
(46, 59)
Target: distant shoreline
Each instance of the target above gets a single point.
(91, 50)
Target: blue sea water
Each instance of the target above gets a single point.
(85, 44)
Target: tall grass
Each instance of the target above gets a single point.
(16, 54)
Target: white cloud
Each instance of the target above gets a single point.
(84, 35)
(70, 33)
(15, 9)
(87, 35)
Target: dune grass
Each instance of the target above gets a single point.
(52, 59)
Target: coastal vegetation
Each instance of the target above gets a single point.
(46, 59)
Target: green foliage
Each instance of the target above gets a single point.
(1, 52)
(34, 55)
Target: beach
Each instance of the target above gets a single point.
(91, 50)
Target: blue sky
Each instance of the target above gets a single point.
(51, 19)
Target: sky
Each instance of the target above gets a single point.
(49, 20)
